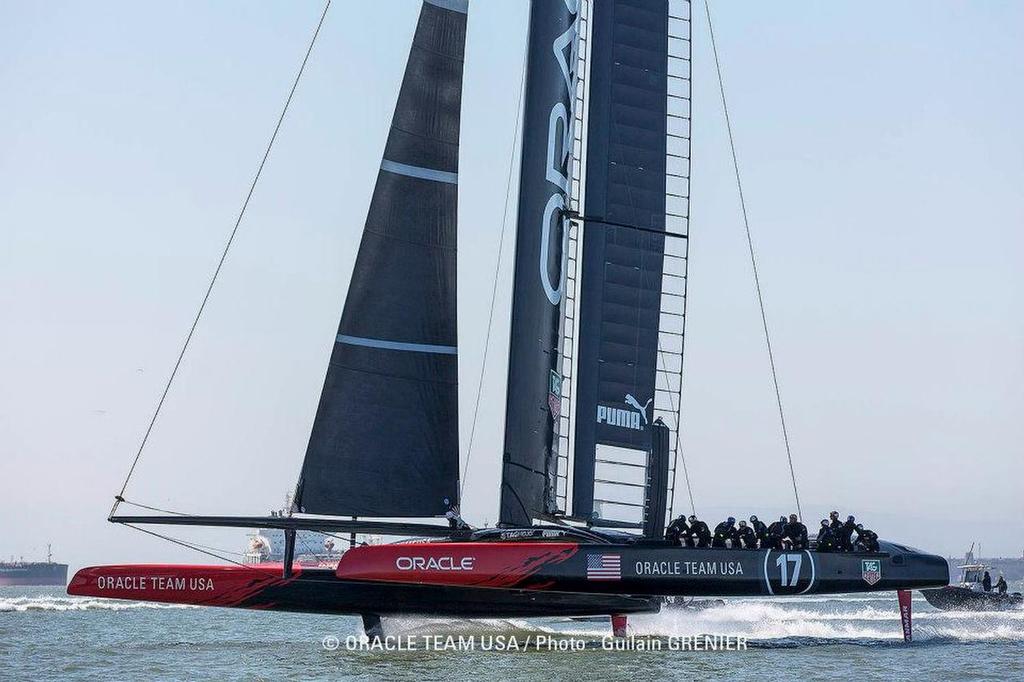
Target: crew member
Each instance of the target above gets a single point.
(867, 540)
(775, 533)
(826, 538)
(745, 537)
(844, 536)
(760, 530)
(455, 521)
(795, 533)
(677, 532)
(834, 523)
(700, 534)
(1001, 584)
(725, 531)
(986, 582)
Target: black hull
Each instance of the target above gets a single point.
(952, 598)
(320, 592)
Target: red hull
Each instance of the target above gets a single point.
(470, 564)
(175, 584)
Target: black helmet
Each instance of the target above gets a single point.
(730, 520)
(850, 518)
(824, 522)
(782, 518)
(753, 518)
(860, 526)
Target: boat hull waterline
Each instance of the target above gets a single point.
(513, 579)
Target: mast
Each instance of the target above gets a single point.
(384, 442)
(534, 380)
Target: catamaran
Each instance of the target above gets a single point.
(595, 370)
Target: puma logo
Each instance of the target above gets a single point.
(627, 419)
(633, 402)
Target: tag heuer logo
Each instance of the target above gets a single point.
(555, 395)
(555, 383)
(871, 570)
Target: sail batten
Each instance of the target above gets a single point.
(397, 345)
(384, 442)
(419, 172)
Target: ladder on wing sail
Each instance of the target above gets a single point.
(625, 303)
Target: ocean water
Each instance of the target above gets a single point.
(46, 634)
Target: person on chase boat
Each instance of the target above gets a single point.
(1001, 584)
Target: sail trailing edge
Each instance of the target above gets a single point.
(534, 382)
(385, 438)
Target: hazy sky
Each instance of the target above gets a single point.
(883, 159)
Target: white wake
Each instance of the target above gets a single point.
(55, 603)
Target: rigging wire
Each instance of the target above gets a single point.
(753, 259)
(497, 273)
(227, 246)
(156, 509)
(202, 549)
(171, 512)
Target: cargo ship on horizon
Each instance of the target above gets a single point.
(33, 573)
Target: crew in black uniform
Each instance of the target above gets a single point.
(986, 582)
(835, 524)
(678, 532)
(844, 536)
(700, 534)
(775, 533)
(826, 538)
(795, 533)
(724, 531)
(745, 537)
(867, 540)
(760, 530)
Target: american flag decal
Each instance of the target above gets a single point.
(604, 567)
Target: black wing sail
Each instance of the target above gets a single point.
(385, 438)
(528, 472)
(624, 326)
